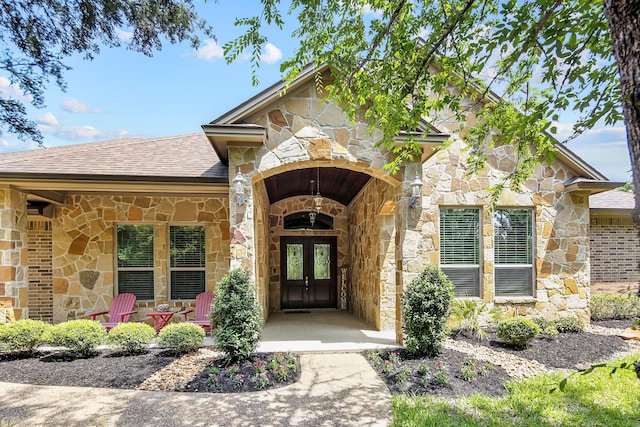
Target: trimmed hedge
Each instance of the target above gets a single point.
(181, 337)
(517, 331)
(568, 324)
(22, 335)
(80, 337)
(131, 337)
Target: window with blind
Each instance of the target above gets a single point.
(135, 260)
(460, 249)
(187, 261)
(513, 246)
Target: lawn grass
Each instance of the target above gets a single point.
(596, 399)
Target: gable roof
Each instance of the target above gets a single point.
(187, 158)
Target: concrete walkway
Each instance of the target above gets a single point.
(339, 389)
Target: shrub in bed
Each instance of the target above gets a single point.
(426, 305)
(22, 335)
(547, 327)
(80, 337)
(568, 324)
(517, 331)
(237, 316)
(131, 337)
(605, 307)
(181, 337)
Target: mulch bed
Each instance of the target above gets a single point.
(102, 369)
(566, 351)
(489, 378)
(112, 370)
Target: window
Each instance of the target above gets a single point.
(460, 249)
(513, 243)
(135, 260)
(187, 261)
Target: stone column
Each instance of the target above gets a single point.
(241, 217)
(14, 263)
(411, 255)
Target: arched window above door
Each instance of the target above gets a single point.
(301, 221)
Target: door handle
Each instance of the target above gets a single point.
(306, 283)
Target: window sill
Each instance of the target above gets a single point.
(514, 300)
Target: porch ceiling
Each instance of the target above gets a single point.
(341, 185)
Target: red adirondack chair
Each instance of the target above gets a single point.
(203, 307)
(121, 309)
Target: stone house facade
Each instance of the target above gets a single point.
(165, 218)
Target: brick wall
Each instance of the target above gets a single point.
(615, 255)
(40, 274)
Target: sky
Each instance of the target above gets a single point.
(123, 94)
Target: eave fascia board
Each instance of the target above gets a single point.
(573, 160)
(592, 187)
(610, 212)
(221, 137)
(429, 143)
(33, 185)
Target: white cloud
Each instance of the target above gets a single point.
(73, 105)
(124, 35)
(564, 130)
(211, 49)
(370, 11)
(271, 54)
(83, 132)
(13, 91)
(47, 119)
(4, 143)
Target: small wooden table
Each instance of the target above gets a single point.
(161, 318)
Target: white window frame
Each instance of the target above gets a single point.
(460, 272)
(118, 269)
(171, 268)
(516, 283)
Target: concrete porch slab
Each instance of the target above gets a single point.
(321, 331)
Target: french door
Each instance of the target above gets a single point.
(308, 272)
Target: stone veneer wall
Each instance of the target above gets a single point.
(13, 251)
(372, 255)
(303, 204)
(83, 246)
(615, 255)
(561, 228)
(40, 270)
(262, 250)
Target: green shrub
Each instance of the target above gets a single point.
(568, 324)
(547, 327)
(237, 316)
(80, 337)
(181, 337)
(468, 315)
(605, 307)
(517, 331)
(22, 335)
(426, 305)
(131, 337)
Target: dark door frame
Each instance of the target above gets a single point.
(308, 292)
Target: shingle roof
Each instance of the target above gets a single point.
(183, 156)
(614, 199)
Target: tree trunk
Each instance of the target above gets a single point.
(624, 25)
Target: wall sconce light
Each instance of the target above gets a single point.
(238, 184)
(416, 192)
